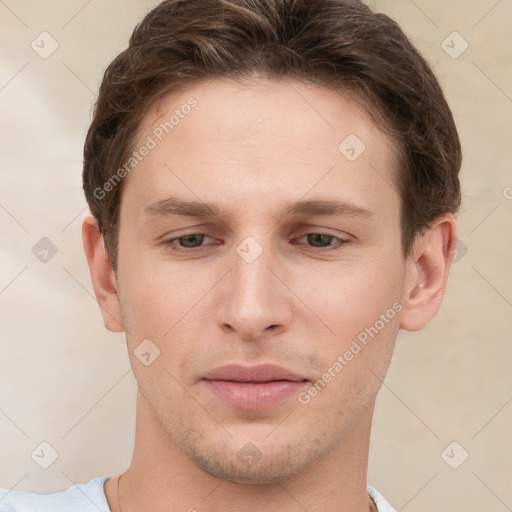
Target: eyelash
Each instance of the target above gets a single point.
(170, 243)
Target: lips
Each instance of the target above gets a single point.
(260, 373)
(254, 387)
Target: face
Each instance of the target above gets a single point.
(289, 256)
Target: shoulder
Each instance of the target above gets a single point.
(379, 500)
(86, 497)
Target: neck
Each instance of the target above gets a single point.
(162, 478)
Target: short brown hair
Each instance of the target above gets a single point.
(340, 45)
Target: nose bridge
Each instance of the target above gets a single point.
(251, 274)
(253, 299)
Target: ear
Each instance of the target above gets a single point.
(427, 269)
(102, 275)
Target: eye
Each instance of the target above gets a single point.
(192, 242)
(321, 241)
(186, 242)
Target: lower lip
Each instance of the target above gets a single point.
(254, 396)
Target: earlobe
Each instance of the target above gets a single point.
(102, 275)
(427, 272)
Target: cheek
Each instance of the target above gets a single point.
(352, 370)
(356, 296)
(363, 310)
(158, 297)
(167, 305)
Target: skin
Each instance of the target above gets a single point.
(253, 149)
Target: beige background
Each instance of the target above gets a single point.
(65, 380)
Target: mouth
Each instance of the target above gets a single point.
(253, 388)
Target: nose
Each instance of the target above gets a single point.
(253, 300)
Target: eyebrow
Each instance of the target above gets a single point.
(175, 206)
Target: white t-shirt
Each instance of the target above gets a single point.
(90, 497)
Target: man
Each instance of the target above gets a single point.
(273, 186)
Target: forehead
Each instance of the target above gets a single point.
(262, 136)
(265, 106)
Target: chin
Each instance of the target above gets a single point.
(249, 465)
(269, 473)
